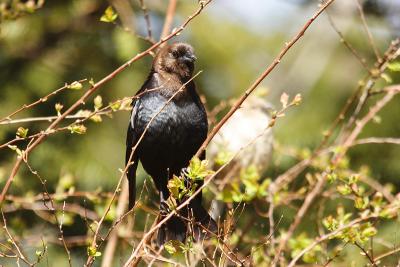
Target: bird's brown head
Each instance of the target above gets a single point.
(177, 58)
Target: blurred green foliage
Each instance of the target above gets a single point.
(45, 45)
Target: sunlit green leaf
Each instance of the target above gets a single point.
(109, 15)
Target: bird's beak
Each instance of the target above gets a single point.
(189, 59)
(193, 58)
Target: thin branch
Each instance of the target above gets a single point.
(168, 18)
(366, 28)
(269, 69)
(359, 58)
(12, 240)
(392, 91)
(327, 237)
(389, 253)
(371, 260)
(377, 140)
(300, 215)
(112, 242)
(41, 100)
(148, 23)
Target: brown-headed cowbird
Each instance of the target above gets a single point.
(172, 138)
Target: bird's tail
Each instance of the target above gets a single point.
(204, 226)
(194, 219)
(173, 229)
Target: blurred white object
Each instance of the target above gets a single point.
(247, 125)
(246, 131)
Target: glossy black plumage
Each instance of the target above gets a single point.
(178, 126)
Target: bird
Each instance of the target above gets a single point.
(169, 114)
(246, 132)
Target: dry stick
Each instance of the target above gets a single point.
(377, 187)
(269, 69)
(125, 13)
(300, 215)
(377, 140)
(168, 18)
(271, 218)
(365, 25)
(27, 205)
(41, 100)
(147, 19)
(95, 88)
(59, 196)
(112, 242)
(392, 53)
(396, 250)
(360, 59)
(369, 257)
(46, 118)
(392, 91)
(10, 237)
(52, 209)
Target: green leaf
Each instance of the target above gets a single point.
(343, 189)
(361, 203)
(58, 108)
(369, 232)
(296, 100)
(92, 251)
(173, 246)
(77, 128)
(223, 157)
(197, 169)
(115, 105)
(75, 86)
(386, 77)
(91, 82)
(263, 188)
(109, 15)
(22, 132)
(394, 66)
(330, 223)
(96, 118)
(17, 150)
(98, 102)
(176, 186)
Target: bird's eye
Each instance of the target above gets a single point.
(174, 54)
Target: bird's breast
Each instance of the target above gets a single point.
(178, 127)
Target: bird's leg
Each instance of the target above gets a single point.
(164, 209)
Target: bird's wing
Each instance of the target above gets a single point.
(131, 160)
(132, 138)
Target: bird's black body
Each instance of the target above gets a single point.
(175, 126)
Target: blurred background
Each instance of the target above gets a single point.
(64, 41)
